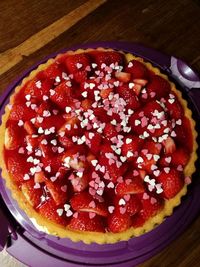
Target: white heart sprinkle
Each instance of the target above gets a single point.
(67, 207)
(111, 209)
(20, 123)
(128, 141)
(60, 149)
(111, 185)
(48, 169)
(60, 212)
(68, 109)
(26, 177)
(122, 202)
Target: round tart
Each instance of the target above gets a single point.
(97, 145)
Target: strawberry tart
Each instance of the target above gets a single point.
(97, 145)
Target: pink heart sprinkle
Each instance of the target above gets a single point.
(144, 121)
(153, 200)
(75, 215)
(64, 188)
(152, 94)
(107, 176)
(128, 181)
(92, 204)
(141, 114)
(122, 210)
(92, 183)
(144, 151)
(180, 168)
(92, 215)
(92, 191)
(168, 159)
(144, 95)
(120, 179)
(127, 197)
(188, 180)
(158, 146)
(145, 196)
(135, 173)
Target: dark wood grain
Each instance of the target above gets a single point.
(169, 26)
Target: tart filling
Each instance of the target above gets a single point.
(98, 146)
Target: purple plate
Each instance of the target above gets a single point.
(46, 250)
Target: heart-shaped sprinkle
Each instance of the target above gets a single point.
(37, 186)
(166, 169)
(123, 159)
(69, 213)
(122, 202)
(129, 154)
(187, 180)
(20, 123)
(120, 179)
(79, 65)
(156, 173)
(128, 181)
(153, 200)
(135, 173)
(127, 197)
(111, 185)
(122, 210)
(67, 207)
(92, 215)
(152, 94)
(53, 178)
(145, 196)
(128, 140)
(60, 149)
(111, 209)
(180, 168)
(68, 109)
(168, 159)
(64, 188)
(84, 94)
(21, 150)
(60, 212)
(75, 215)
(26, 177)
(92, 204)
(149, 156)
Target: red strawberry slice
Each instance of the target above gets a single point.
(132, 144)
(137, 69)
(77, 62)
(169, 145)
(93, 141)
(56, 121)
(109, 131)
(29, 127)
(174, 108)
(101, 115)
(101, 57)
(82, 222)
(172, 183)
(58, 191)
(21, 112)
(65, 141)
(18, 167)
(39, 177)
(130, 186)
(37, 88)
(61, 95)
(129, 96)
(123, 76)
(53, 71)
(80, 76)
(133, 205)
(14, 136)
(31, 194)
(150, 207)
(85, 202)
(118, 222)
(49, 211)
(178, 157)
(157, 88)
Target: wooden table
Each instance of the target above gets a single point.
(30, 30)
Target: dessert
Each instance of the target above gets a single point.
(98, 146)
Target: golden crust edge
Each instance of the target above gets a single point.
(89, 237)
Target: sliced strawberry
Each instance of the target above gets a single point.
(33, 141)
(137, 69)
(37, 88)
(141, 82)
(86, 104)
(171, 182)
(61, 95)
(39, 177)
(29, 127)
(58, 191)
(79, 184)
(118, 222)
(129, 96)
(105, 93)
(18, 167)
(133, 205)
(150, 207)
(31, 194)
(65, 141)
(174, 108)
(21, 112)
(14, 136)
(157, 88)
(80, 76)
(101, 114)
(82, 222)
(56, 121)
(53, 71)
(109, 57)
(49, 211)
(130, 186)
(123, 76)
(169, 145)
(93, 141)
(109, 131)
(132, 144)
(179, 157)
(85, 202)
(77, 62)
